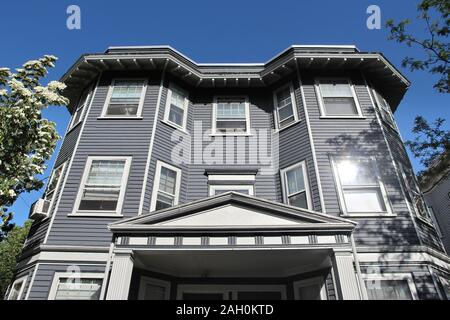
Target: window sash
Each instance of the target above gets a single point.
(176, 107)
(231, 116)
(80, 289)
(166, 191)
(299, 190)
(125, 98)
(388, 291)
(220, 189)
(81, 107)
(337, 97)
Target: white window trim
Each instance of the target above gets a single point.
(426, 220)
(159, 165)
(394, 276)
(284, 182)
(247, 116)
(226, 289)
(214, 187)
(392, 124)
(294, 106)
(323, 113)
(382, 187)
(141, 99)
(83, 111)
(152, 281)
(167, 108)
(22, 281)
(308, 282)
(103, 213)
(56, 190)
(81, 275)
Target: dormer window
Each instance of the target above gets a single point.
(231, 116)
(337, 98)
(125, 99)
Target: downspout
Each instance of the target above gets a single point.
(107, 269)
(362, 286)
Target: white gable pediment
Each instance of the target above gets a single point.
(229, 215)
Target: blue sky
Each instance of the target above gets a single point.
(209, 31)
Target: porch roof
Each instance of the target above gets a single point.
(232, 211)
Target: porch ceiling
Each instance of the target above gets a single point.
(233, 263)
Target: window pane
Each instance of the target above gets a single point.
(295, 180)
(54, 180)
(14, 295)
(177, 99)
(164, 201)
(335, 88)
(231, 110)
(311, 292)
(340, 106)
(167, 180)
(388, 290)
(176, 115)
(299, 200)
(106, 172)
(99, 199)
(284, 107)
(286, 113)
(364, 200)
(221, 191)
(78, 289)
(154, 292)
(125, 98)
(122, 109)
(356, 173)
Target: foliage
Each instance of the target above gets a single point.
(431, 140)
(26, 139)
(435, 46)
(9, 249)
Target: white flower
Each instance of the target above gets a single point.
(12, 193)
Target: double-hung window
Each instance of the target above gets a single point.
(295, 186)
(125, 98)
(103, 186)
(166, 186)
(413, 193)
(80, 109)
(54, 182)
(285, 108)
(360, 188)
(176, 107)
(390, 286)
(337, 98)
(231, 115)
(16, 291)
(385, 110)
(76, 286)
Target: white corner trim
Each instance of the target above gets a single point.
(311, 141)
(55, 211)
(152, 139)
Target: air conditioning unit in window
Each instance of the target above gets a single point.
(39, 209)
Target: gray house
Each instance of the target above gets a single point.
(279, 180)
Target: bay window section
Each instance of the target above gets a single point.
(125, 98)
(295, 186)
(385, 110)
(337, 98)
(166, 186)
(285, 108)
(103, 186)
(176, 107)
(231, 116)
(360, 188)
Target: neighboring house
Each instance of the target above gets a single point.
(279, 180)
(435, 184)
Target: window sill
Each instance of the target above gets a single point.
(288, 126)
(95, 214)
(120, 118)
(174, 126)
(342, 117)
(231, 135)
(369, 215)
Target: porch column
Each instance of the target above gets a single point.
(119, 282)
(345, 276)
